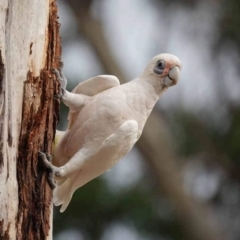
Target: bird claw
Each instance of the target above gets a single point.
(46, 159)
(58, 96)
(62, 80)
(51, 182)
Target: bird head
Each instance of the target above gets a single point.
(164, 69)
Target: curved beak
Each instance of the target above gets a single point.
(172, 77)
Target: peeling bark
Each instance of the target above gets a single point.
(29, 49)
(2, 70)
(6, 232)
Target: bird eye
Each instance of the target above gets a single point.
(160, 64)
(159, 67)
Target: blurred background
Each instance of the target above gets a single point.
(181, 181)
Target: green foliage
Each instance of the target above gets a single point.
(95, 207)
(230, 22)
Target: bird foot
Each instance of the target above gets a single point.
(46, 159)
(62, 80)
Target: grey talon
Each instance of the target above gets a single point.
(49, 157)
(62, 80)
(51, 182)
(46, 159)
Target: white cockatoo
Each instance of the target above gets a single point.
(105, 121)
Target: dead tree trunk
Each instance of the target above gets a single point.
(29, 48)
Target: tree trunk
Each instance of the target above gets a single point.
(29, 48)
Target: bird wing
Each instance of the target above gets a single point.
(109, 153)
(92, 87)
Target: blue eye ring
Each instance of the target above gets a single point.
(159, 67)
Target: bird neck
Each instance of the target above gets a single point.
(153, 86)
(149, 93)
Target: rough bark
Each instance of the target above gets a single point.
(30, 47)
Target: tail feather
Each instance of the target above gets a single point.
(63, 194)
(58, 138)
(60, 180)
(66, 202)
